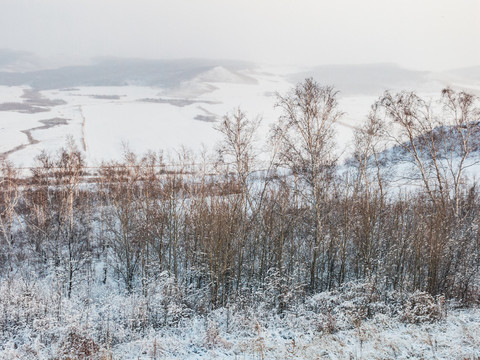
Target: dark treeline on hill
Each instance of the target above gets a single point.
(230, 232)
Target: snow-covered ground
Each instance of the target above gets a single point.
(103, 118)
(457, 337)
(101, 321)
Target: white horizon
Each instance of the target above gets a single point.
(432, 35)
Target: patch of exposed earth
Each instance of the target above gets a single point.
(178, 102)
(34, 102)
(47, 124)
(207, 116)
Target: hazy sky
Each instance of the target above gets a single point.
(420, 34)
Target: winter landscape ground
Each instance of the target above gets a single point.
(340, 226)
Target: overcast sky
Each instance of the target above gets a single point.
(418, 34)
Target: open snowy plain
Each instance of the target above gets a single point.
(165, 116)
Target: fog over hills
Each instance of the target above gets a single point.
(18, 61)
(367, 78)
(116, 72)
(467, 74)
(374, 79)
(22, 68)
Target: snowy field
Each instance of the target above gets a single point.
(103, 119)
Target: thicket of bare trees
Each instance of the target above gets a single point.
(230, 231)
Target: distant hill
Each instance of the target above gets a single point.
(18, 61)
(118, 72)
(23, 68)
(466, 76)
(373, 79)
(472, 72)
(364, 79)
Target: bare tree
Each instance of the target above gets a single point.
(9, 197)
(120, 186)
(437, 147)
(74, 212)
(305, 132)
(459, 136)
(238, 147)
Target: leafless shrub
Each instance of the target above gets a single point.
(78, 346)
(213, 338)
(422, 307)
